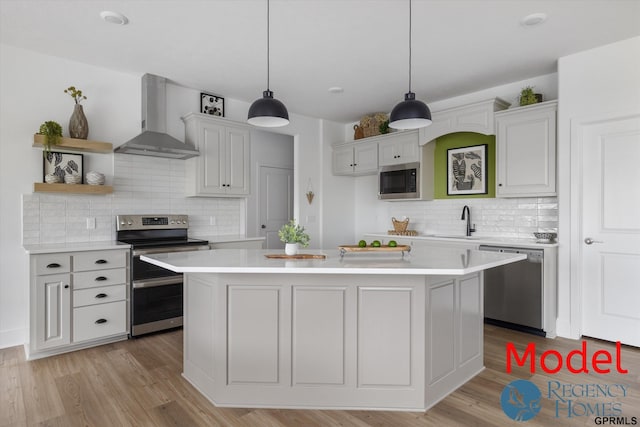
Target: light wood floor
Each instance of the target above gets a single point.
(138, 383)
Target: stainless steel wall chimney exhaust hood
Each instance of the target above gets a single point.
(154, 140)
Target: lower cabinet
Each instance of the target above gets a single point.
(77, 300)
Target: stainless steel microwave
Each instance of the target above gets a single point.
(399, 182)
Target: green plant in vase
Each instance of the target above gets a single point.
(292, 235)
(52, 132)
(527, 96)
(384, 127)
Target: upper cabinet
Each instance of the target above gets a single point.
(526, 151)
(403, 148)
(223, 167)
(477, 117)
(360, 158)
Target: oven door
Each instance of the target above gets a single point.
(142, 270)
(157, 293)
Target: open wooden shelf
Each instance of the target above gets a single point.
(42, 187)
(75, 144)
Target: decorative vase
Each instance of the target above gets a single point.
(78, 125)
(291, 248)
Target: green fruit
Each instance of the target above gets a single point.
(376, 243)
(392, 243)
(362, 244)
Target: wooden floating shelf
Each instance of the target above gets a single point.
(75, 144)
(42, 187)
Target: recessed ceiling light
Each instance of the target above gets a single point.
(336, 89)
(533, 19)
(114, 17)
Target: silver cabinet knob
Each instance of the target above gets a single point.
(590, 241)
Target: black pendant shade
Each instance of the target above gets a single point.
(410, 113)
(268, 111)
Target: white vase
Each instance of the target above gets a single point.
(291, 248)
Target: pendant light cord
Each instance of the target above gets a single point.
(409, 45)
(268, 44)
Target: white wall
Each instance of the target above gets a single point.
(592, 84)
(31, 92)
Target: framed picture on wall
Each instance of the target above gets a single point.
(211, 104)
(63, 164)
(467, 170)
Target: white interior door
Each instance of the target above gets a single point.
(276, 203)
(610, 254)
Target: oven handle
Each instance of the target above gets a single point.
(151, 283)
(167, 249)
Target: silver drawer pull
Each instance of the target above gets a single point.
(100, 279)
(100, 321)
(54, 265)
(101, 261)
(101, 296)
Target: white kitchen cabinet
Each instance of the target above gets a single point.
(77, 300)
(222, 169)
(355, 159)
(402, 148)
(526, 151)
(53, 310)
(477, 117)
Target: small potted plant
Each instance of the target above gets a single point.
(528, 97)
(292, 235)
(52, 132)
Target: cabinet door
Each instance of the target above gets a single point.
(399, 149)
(53, 311)
(237, 163)
(211, 173)
(365, 158)
(343, 160)
(526, 151)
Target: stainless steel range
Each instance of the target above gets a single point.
(156, 293)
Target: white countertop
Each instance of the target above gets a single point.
(227, 238)
(50, 248)
(420, 261)
(480, 240)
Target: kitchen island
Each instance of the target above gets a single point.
(374, 331)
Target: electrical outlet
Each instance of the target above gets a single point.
(91, 223)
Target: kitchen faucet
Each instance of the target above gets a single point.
(465, 210)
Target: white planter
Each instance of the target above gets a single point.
(291, 248)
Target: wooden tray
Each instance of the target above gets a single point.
(298, 256)
(383, 248)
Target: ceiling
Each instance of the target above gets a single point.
(219, 46)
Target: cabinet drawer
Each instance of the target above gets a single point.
(53, 264)
(97, 321)
(99, 260)
(101, 295)
(93, 279)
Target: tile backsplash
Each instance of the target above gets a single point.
(142, 185)
(517, 217)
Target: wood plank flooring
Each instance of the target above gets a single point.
(139, 383)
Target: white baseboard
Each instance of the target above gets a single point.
(12, 337)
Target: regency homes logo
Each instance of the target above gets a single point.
(521, 400)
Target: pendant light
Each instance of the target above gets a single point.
(268, 111)
(410, 113)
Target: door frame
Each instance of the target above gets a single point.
(257, 192)
(576, 286)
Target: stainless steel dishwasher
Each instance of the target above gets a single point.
(513, 293)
